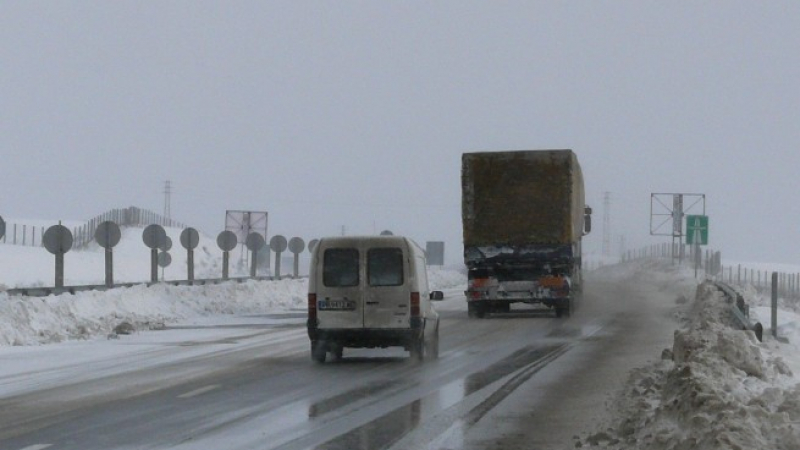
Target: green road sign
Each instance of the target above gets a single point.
(697, 228)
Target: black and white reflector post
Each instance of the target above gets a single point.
(58, 240)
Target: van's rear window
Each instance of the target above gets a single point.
(340, 267)
(385, 266)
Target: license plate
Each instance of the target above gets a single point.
(337, 305)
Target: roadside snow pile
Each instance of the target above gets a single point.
(721, 389)
(35, 320)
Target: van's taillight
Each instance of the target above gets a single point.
(415, 304)
(312, 307)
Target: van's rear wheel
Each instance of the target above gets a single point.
(417, 350)
(432, 346)
(319, 351)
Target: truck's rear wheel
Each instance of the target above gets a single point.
(564, 309)
(475, 310)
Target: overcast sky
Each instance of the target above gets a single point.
(355, 114)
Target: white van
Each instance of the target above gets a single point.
(370, 292)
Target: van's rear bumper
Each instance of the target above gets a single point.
(366, 337)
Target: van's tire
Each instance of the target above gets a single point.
(417, 349)
(319, 351)
(338, 352)
(432, 346)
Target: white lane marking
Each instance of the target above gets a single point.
(37, 447)
(200, 391)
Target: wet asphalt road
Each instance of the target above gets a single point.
(260, 389)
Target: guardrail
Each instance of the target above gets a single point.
(740, 310)
(45, 291)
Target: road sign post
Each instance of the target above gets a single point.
(226, 240)
(154, 237)
(296, 246)
(58, 240)
(107, 236)
(190, 239)
(254, 243)
(696, 235)
(278, 245)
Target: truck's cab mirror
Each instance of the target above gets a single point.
(587, 220)
(437, 295)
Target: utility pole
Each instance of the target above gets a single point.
(606, 224)
(167, 208)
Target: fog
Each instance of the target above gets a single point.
(352, 116)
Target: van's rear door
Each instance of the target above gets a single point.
(386, 291)
(339, 298)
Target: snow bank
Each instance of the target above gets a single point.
(34, 320)
(717, 388)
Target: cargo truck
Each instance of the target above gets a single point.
(523, 216)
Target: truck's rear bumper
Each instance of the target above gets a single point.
(548, 301)
(512, 296)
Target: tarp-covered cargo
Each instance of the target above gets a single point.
(522, 197)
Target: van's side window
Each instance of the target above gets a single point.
(340, 267)
(385, 266)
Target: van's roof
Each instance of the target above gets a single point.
(350, 240)
(354, 241)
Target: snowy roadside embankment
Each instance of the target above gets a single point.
(35, 320)
(717, 388)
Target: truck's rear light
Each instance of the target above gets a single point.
(312, 307)
(415, 304)
(478, 282)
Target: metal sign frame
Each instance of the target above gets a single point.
(662, 214)
(242, 223)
